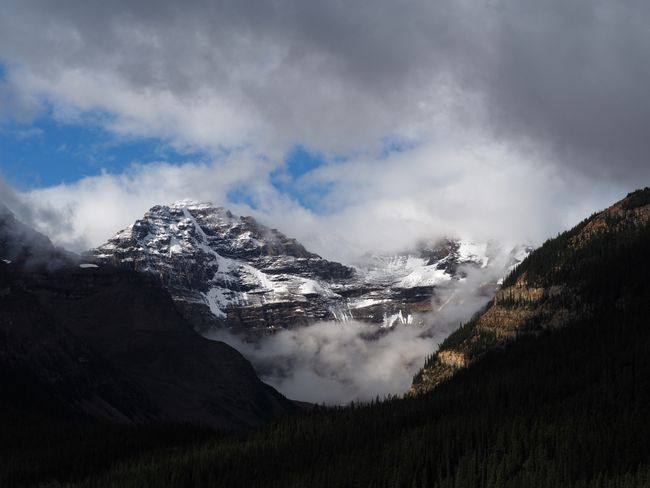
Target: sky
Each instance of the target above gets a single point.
(351, 126)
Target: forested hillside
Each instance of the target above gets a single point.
(593, 269)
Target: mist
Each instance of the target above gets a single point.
(339, 362)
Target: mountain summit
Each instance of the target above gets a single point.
(226, 270)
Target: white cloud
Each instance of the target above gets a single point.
(342, 76)
(97, 207)
(207, 121)
(520, 125)
(372, 205)
(337, 363)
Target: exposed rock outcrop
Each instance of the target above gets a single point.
(228, 271)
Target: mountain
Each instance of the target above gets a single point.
(554, 286)
(403, 288)
(554, 391)
(23, 246)
(84, 341)
(228, 271)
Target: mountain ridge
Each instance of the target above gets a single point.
(541, 293)
(224, 270)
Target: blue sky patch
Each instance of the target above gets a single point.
(240, 196)
(45, 152)
(392, 146)
(299, 161)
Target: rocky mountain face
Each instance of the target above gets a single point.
(553, 287)
(228, 271)
(80, 340)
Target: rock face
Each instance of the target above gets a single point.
(226, 270)
(108, 343)
(229, 271)
(548, 290)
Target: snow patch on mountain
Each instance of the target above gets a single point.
(424, 276)
(473, 252)
(226, 270)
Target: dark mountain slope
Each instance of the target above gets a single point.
(23, 246)
(97, 342)
(46, 368)
(134, 325)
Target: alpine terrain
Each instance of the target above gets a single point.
(228, 271)
(547, 387)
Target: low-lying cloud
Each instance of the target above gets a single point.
(340, 362)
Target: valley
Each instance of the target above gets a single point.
(547, 386)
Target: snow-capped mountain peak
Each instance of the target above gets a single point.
(227, 270)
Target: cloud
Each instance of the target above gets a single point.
(568, 78)
(12, 199)
(44, 216)
(20, 243)
(31, 133)
(266, 72)
(336, 363)
(515, 119)
(370, 205)
(99, 206)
